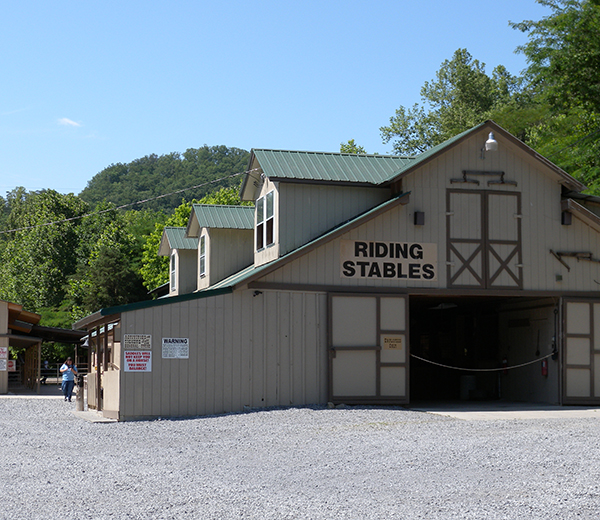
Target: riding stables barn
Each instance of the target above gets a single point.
(468, 272)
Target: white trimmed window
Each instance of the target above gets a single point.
(173, 271)
(265, 221)
(202, 258)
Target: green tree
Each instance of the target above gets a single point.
(40, 254)
(461, 96)
(563, 53)
(351, 147)
(563, 75)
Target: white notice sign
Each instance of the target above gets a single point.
(175, 348)
(142, 341)
(138, 360)
(3, 352)
(3, 365)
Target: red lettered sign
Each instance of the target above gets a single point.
(138, 360)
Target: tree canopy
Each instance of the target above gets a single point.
(209, 167)
(461, 96)
(554, 107)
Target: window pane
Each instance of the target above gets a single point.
(259, 210)
(202, 245)
(269, 237)
(202, 264)
(259, 236)
(269, 210)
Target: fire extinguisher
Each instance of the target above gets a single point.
(505, 366)
(545, 367)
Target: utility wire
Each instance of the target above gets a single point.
(573, 144)
(144, 201)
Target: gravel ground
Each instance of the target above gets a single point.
(315, 463)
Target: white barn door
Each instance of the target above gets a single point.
(483, 231)
(581, 352)
(368, 349)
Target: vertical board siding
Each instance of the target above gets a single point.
(245, 350)
(307, 211)
(541, 228)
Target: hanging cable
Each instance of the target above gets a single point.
(481, 369)
(144, 201)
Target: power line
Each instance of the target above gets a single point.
(144, 201)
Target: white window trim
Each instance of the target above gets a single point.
(266, 222)
(202, 256)
(172, 271)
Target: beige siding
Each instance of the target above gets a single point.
(186, 271)
(245, 350)
(307, 211)
(540, 224)
(227, 252)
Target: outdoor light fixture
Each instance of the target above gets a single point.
(491, 145)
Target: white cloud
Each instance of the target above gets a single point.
(67, 122)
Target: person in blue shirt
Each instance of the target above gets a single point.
(68, 371)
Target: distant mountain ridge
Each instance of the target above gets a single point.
(155, 175)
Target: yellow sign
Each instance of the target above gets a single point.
(392, 342)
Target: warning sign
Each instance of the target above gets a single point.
(3, 352)
(12, 365)
(141, 341)
(3, 365)
(138, 360)
(392, 342)
(175, 348)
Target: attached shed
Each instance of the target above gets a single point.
(20, 329)
(469, 272)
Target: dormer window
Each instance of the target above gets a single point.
(202, 259)
(264, 221)
(173, 271)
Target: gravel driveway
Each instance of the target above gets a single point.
(359, 463)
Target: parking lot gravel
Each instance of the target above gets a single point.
(305, 463)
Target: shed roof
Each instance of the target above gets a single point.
(224, 217)
(328, 167)
(176, 238)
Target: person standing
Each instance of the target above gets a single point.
(68, 371)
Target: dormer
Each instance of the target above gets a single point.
(181, 251)
(299, 196)
(224, 236)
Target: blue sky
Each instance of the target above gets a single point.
(89, 83)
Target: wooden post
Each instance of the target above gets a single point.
(38, 375)
(98, 367)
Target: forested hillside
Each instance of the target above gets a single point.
(155, 175)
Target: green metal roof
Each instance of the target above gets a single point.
(329, 167)
(226, 217)
(178, 239)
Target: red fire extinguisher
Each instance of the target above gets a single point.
(545, 367)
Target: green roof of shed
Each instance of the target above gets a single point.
(329, 167)
(175, 238)
(225, 217)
